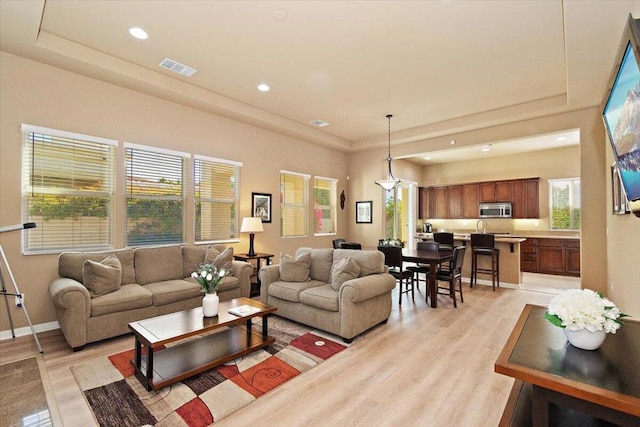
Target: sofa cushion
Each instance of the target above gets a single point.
(70, 263)
(220, 259)
(191, 259)
(343, 270)
(158, 264)
(321, 262)
(295, 270)
(370, 262)
(170, 291)
(290, 291)
(102, 277)
(127, 297)
(323, 297)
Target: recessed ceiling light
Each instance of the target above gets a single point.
(280, 15)
(138, 33)
(486, 148)
(561, 138)
(263, 87)
(427, 158)
(318, 122)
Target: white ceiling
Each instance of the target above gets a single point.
(439, 67)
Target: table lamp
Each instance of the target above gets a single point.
(251, 225)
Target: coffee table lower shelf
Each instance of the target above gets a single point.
(173, 364)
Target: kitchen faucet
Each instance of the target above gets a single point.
(484, 226)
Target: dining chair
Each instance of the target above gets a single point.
(393, 260)
(350, 245)
(485, 245)
(418, 269)
(338, 242)
(444, 238)
(452, 275)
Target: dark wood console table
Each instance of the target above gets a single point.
(603, 383)
(258, 257)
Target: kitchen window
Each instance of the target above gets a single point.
(67, 190)
(294, 202)
(324, 205)
(564, 204)
(155, 196)
(217, 189)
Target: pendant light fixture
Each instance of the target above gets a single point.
(391, 182)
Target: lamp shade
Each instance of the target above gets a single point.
(251, 225)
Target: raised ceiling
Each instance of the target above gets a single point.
(440, 67)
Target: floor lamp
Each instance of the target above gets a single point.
(17, 294)
(251, 225)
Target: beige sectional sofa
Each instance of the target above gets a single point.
(341, 291)
(153, 281)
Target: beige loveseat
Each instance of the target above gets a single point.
(154, 281)
(344, 292)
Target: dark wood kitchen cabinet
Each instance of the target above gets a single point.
(495, 191)
(424, 203)
(439, 205)
(470, 200)
(454, 199)
(551, 256)
(525, 198)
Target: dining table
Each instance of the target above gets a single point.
(433, 259)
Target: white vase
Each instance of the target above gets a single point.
(585, 339)
(210, 304)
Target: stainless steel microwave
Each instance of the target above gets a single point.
(495, 210)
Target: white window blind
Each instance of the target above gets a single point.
(564, 204)
(67, 190)
(293, 204)
(155, 196)
(324, 205)
(216, 199)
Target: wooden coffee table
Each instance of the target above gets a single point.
(226, 339)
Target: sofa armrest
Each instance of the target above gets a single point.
(364, 288)
(73, 308)
(243, 270)
(268, 275)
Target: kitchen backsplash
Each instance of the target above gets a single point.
(528, 227)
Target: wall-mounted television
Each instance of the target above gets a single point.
(621, 112)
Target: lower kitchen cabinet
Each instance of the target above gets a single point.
(551, 256)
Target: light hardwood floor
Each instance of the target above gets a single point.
(424, 367)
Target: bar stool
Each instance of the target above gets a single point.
(485, 245)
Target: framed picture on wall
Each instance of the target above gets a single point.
(261, 206)
(619, 202)
(363, 212)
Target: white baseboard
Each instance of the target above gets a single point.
(42, 327)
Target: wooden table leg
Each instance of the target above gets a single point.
(539, 407)
(433, 292)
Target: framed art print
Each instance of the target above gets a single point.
(363, 212)
(261, 206)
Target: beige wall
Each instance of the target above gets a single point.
(45, 96)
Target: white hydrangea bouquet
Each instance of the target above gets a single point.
(578, 309)
(209, 276)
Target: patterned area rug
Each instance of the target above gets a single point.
(117, 398)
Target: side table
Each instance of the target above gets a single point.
(258, 257)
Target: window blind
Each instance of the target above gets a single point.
(324, 205)
(293, 204)
(216, 199)
(67, 190)
(564, 204)
(155, 196)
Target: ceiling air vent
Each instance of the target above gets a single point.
(319, 123)
(177, 67)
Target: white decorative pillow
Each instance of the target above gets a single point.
(295, 270)
(222, 259)
(103, 277)
(343, 270)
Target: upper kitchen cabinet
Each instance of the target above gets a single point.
(470, 200)
(495, 191)
(525, 198)
(424, 202)
(439, 202)
(454, 199)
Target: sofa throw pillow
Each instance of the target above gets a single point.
(295, 269)
(222, 259)
(102, 277)
(343, 270)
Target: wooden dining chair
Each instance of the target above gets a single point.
(393, 260)
(452, 274)
(418, 269)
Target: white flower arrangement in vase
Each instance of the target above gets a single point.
(209, 277)
(577, 310)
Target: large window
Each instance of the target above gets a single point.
(324, 205)
(216, 199)
(155, 196)
(564, 204)
(293, 204)
(67, 190)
